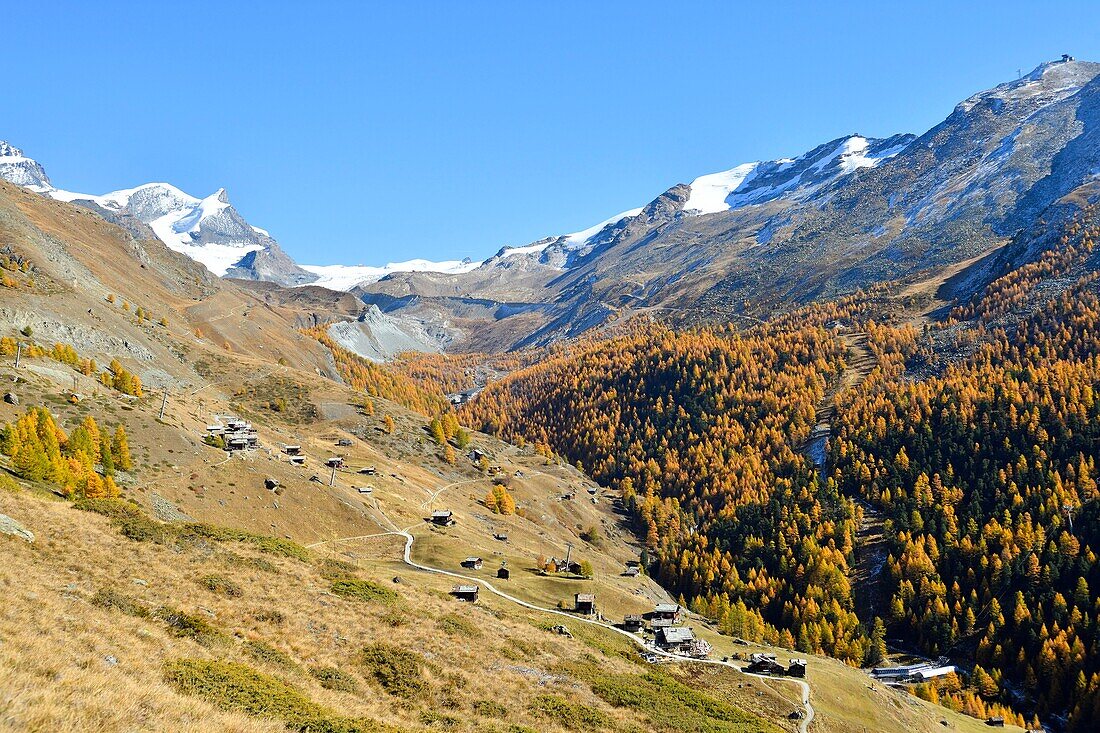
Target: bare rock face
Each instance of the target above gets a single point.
(13, 528)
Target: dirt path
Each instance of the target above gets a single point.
(406, 533)
(871, 556)
(859, 361)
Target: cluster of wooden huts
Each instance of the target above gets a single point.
(768, 664)
(237, 434)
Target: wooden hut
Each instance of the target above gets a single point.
(465, 593)
(585, 603)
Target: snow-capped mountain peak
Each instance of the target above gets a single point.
(21, 170)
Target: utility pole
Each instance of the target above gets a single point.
(1069, 509)
(18, 353)
(568, 552)
(163, 404)
(332, 479)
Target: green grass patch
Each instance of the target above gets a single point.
(334, 678)
(239, 688)
(264, 543)
(396, 670)
(357, 589)
(221, 585)
(568, 714)
(669, 703)
(130, 519)
(190, 626)
(113, 600)
(263, 652)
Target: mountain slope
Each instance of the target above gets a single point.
(768, 236)
(208, 230)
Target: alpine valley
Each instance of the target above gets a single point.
(807, 444)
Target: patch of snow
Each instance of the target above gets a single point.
(576, 240)
(709, 193)
(582, 237)
(346, 277)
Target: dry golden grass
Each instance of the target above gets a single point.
(69, 664)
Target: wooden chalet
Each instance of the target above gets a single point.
(633, 622)
(472, 563)
(465, 593)
(585, 603)
(443, 517)
(292, 450)
(764, 664)
(797, 667)
(503, 573)
(335, 462)
(672, 612)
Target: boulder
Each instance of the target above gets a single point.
(11, 398)
(15, 529)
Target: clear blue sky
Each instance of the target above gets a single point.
(360, 132)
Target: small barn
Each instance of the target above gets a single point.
(764, 664)
(472, 563)
(631, 572)
(996, 721)
(368, 470)
(297, 460)
(797, 667)
(292, 450)
(368, 489)
(465, 593)
(672, 612)
(502, 536)
(344, 443)
(675, 638)
(633, 622)
(503, 573)
(443, 517)
(335, 462)
(585, 603)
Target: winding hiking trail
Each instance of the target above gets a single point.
(870, 540)
(406, 557)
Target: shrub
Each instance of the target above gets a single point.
(264, 543)
(221, 585)
(130, 519)
(490, 709)
(113, 600)
(189, 626)
(458, 626)
(568, 714)
(396, 670)
(261, 651)
(333, 678)
(237, 687)
(7, 483)
(251, 563)
(357, 589)
(269, 615)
